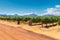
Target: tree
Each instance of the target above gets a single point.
(30, 22)
(59, 22)
(46, 21)
(18, 19)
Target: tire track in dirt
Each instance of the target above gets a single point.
(18, 34)
(21, 34)
(5, 35)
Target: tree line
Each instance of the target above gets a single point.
(51, 20)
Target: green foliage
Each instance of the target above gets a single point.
(34, 19)
(59, 22)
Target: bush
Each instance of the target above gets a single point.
(59, 22)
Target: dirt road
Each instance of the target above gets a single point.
(12, 33)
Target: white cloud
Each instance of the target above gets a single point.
(25, 13)
(53, 11)
(50, 10)
(57, 6)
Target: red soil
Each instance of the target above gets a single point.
(12, 33)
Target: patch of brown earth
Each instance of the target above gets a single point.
(12, 33)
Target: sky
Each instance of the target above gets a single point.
(25, 7)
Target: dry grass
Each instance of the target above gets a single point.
(52, 31)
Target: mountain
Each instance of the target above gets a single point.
(3, 15)
(48, 15)
(31, 15)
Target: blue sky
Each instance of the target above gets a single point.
(24, 7)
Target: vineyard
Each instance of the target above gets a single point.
(48, 21)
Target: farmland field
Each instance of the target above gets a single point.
(33, 24)
(29, 19)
